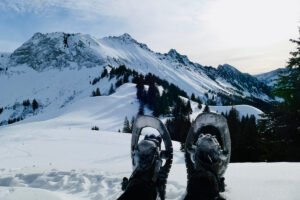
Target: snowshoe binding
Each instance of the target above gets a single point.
(207, 154)
(147, 159)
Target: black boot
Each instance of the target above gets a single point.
(143, 181)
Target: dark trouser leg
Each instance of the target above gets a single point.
(140, 190)
(203, 186)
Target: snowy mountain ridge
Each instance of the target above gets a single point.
(270, 78)
(241, 80)
(61, 50)
(57, 69)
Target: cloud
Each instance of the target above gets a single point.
(210, 32)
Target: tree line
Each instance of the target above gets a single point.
(281, 126)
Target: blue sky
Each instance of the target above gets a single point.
(252, 35)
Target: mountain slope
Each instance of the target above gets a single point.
(60, 50)
(239, 83)
(57, 69)
(270, 78)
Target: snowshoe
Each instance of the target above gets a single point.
(207, 154)
(147, 157)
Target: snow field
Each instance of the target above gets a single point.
(59, 157)
(89, 165)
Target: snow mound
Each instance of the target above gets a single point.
(243, 110)
(57, 183)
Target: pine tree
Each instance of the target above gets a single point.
(132, 124)
(35, 104)
(199, 105)
(26, 103)
(140, 93)
(152, 95)
(179, 126)
(104, 73)
(206, 109)
(234, 129)
(126, 126)
(199, 100)
(95, 128)
(126, 78)
(165, 103)
(98, 93)
(284, 121)
(111, 89)
(247, 144)
(188, 108)
(156, 108)
(119, 83)
(141, 109)
(288, 87)
(193, 98)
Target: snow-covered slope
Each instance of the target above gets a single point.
(61, 158)
(108, 112)
(52, 89)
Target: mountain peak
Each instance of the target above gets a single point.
(173, 52)
(37, 35)
(183, 59)
(127, 39)
(228, 71)
(57, 50)
(126, 36)
(228, 68)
